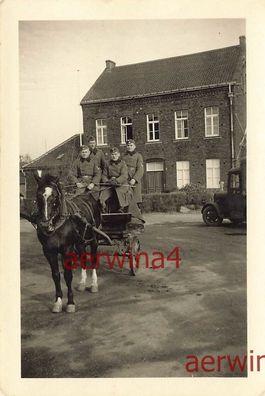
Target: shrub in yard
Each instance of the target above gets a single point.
(163, 202)
(196, 195)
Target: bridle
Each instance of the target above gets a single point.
(47, 226)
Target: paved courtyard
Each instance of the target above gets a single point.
(143, 326)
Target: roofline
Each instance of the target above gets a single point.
(120, 98)
(49, 151)
(43, 167)
(179, 56)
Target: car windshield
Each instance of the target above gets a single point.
(235, 181)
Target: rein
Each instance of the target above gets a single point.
(76, 207)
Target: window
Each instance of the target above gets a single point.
(101, 132)
(154, 176)
(212, 173)
(181, 124)
(235, 183)
(126, 129)
(154, 166)
(183, 173)
(211, 121)
(152, 128)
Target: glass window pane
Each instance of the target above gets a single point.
(215, 110)
(129, 134)
(178, 114)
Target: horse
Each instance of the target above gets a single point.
(65, 226)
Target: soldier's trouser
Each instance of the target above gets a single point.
(122, 195)
(83, 190)
(135, 211)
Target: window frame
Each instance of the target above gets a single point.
(207, 170)
(183, 185)
(211, 116)
(123, 141)
(181, 120)
(101, 129)
(152, 122)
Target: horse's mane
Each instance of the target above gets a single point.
(84, 203)
(48, 179)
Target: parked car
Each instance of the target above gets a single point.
(230, 204)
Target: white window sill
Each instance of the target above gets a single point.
(153, 141)
(181, 139)
(212, 137)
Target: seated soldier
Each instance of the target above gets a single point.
(85, 173)
(96, 153)
(116, 175)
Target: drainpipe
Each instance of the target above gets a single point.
(230, 96)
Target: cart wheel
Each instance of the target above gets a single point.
(134, 248)
(121, 247)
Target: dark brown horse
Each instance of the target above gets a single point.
(65, 226)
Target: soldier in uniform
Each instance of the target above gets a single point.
(96, 153)
(134, 162)
(116, 175)
(85, 173)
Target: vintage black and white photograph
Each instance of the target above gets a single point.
(132, 172)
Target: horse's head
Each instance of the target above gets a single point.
(49, 197)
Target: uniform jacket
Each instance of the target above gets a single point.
(99, 157)
(116, 169)
(134, 162)
(85, 171)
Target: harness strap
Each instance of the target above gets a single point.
(89, 210)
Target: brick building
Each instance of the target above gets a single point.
(56, 161)
(187, 114)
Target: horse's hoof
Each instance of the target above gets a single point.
(57, 306)
(70, 308)
(81, 287)
(94, 289)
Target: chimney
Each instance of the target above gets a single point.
(110, 64)
(242, 42)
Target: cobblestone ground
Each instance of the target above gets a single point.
(143, 326)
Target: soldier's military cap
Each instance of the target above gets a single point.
(84, 147)
(130, 141)
(114, 150)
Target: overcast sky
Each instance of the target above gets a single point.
(52, 52)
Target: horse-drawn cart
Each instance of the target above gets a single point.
(67, 225)
(123, 234)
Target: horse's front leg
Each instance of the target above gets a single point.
(82, 283)
(52, 257)
(94, 285)
(68, 276)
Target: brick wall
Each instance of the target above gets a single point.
(239, 99)
(196, 149)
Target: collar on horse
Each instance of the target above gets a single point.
(48, 227)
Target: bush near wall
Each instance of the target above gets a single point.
(196, 195)
(193, 196)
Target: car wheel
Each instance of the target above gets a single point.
(211, 217)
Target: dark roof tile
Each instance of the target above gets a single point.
(60, 156)
(165, 75)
